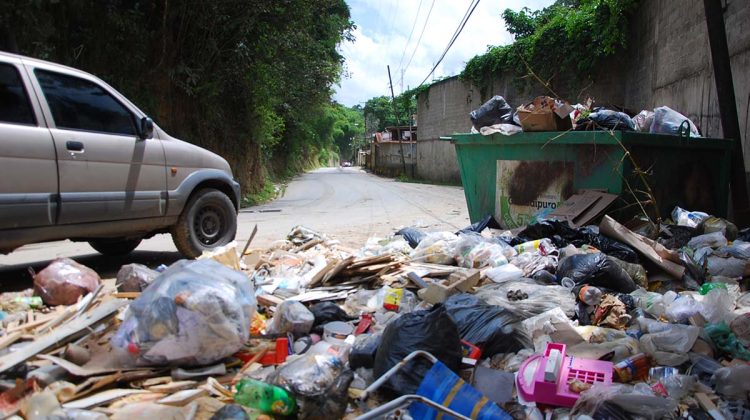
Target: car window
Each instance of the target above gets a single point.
(14, 102)
(79, 104)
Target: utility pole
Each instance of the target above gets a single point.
(398, 121)
(730, 124)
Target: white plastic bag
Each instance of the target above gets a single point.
(668, 121)
(473, 251)
(436, 248)
(194, 313)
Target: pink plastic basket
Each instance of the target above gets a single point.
(554, 389)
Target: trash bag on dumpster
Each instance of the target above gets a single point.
(494, 111)
(535, 298)
(487, 326)
(64, 281)
(487, 221)
(436, 248)
(194, 313)
(308, 376)
(430, 330)
(597, 270)
(606, 119)
(669, 121)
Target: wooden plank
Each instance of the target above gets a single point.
(269, 300)
(126, 295)
(364, 262)
(9, 339)
(319, 276)
(337, 269)
(76, 370)
(102, 398)
(61, 335)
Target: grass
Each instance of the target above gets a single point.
(411, 180)
(269, 192)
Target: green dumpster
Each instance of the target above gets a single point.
(523, 177)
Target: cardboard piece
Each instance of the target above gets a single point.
(582, 208)
(459, 281)
(543, 113)
(667, 260)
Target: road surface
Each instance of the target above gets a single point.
(345, 203)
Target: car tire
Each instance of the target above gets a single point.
(118, 246)
(209, 220)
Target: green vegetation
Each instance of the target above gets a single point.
(380, 114)
(568, 36)
(267, 193)
(250, 80)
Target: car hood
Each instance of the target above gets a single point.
(186, 155)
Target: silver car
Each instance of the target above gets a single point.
(79, 161)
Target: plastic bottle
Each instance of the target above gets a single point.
(590, 295)
(707, 287)
(635, 367)
(264, 397)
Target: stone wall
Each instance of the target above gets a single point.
(386, 158)
(668, 62)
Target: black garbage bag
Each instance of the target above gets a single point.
(494, 111)
(432, 331)
(744, 235)
(606, 119)
(325, 312)
(364, 350)
(412, 235)
(675, 236)
(489, 327)
(487, 221)
(330, 404)
(597, 270)
(561, 235)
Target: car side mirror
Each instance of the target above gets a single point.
(145, 128)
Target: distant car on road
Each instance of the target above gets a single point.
(79, 161)
(346, 164)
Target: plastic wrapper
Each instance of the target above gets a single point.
(667, 344)
(738, 249)
(134, 278)
(412, 235)
(541, 298)
(717, 306)
(472, 251)
(293, 317)
(682, 308)
(669, 121)
(385, 246)
(618, 401)
(436, 248)
(732, 383)
(494, 111)
(309, 375)
(332, 403)
(373, 300)
(597, 270)
(713, 240)
(487, 326)
(64, 281)
(651, 302)
(300, 235)
(194, 313)
(433, 331)
(533, 262)
(725, 340)
(688, 218)
(505, 273)
(636, 271)
(726, 267)
(643, 121)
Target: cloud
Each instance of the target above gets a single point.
(383, 29)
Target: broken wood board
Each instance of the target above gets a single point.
(76, 370)
(183, 397)
(337, 269)
(102, 398)
(63, 334)
(654, 251)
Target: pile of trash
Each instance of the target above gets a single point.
(548, 321)
(545, 113)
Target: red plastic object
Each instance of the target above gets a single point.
(364, 324)
(470, 351)
(536, 382)
(272, 357)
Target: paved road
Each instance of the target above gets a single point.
(345, 203)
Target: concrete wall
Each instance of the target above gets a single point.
(668, 62)
(386, 158)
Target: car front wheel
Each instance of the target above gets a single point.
(209, 220)
(120, 246)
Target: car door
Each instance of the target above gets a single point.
(106, 171)
(28, 172)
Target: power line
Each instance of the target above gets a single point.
(414, 25)
(460, 28)
(420, 38)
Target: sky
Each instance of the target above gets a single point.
(385, 26)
